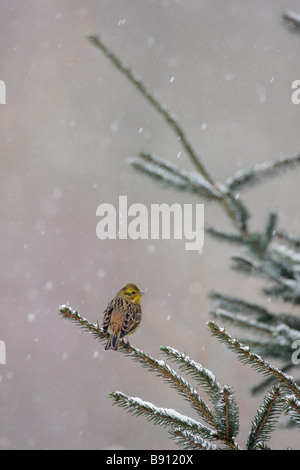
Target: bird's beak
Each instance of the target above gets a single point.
(141, 293)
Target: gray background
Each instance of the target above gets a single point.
(69, 126)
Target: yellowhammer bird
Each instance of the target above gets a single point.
(123, 315)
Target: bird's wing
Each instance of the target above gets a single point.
(106, 316)
(132, 318)
(114, 316)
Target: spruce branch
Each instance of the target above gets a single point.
(265, 419)
(165, 416)
(234, 208)
(205, 186)
(228, 237)
(288, 238)
(269, 348)
(161, 416)
(208, 187)
(160, 368)
(289, 320)
(269, 381)
(288, 295)
(292, 407)
(225, 407)
(200, 374)
(223, 421)
(280, 332)
(292, 20)
(177, 382)
(254, 360)
(260, 171)
(269, 230)
(70, 314)
(227, 414)
(274, 266)
(266, 269)
(237, 211)
(234, 304)
(172, 176)
(245, 323)
(169, 117)
(287, 256)
(190, 440)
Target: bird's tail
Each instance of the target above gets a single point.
(113, 342)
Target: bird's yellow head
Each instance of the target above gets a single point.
(131, 292)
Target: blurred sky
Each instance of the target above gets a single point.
(70, 123)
